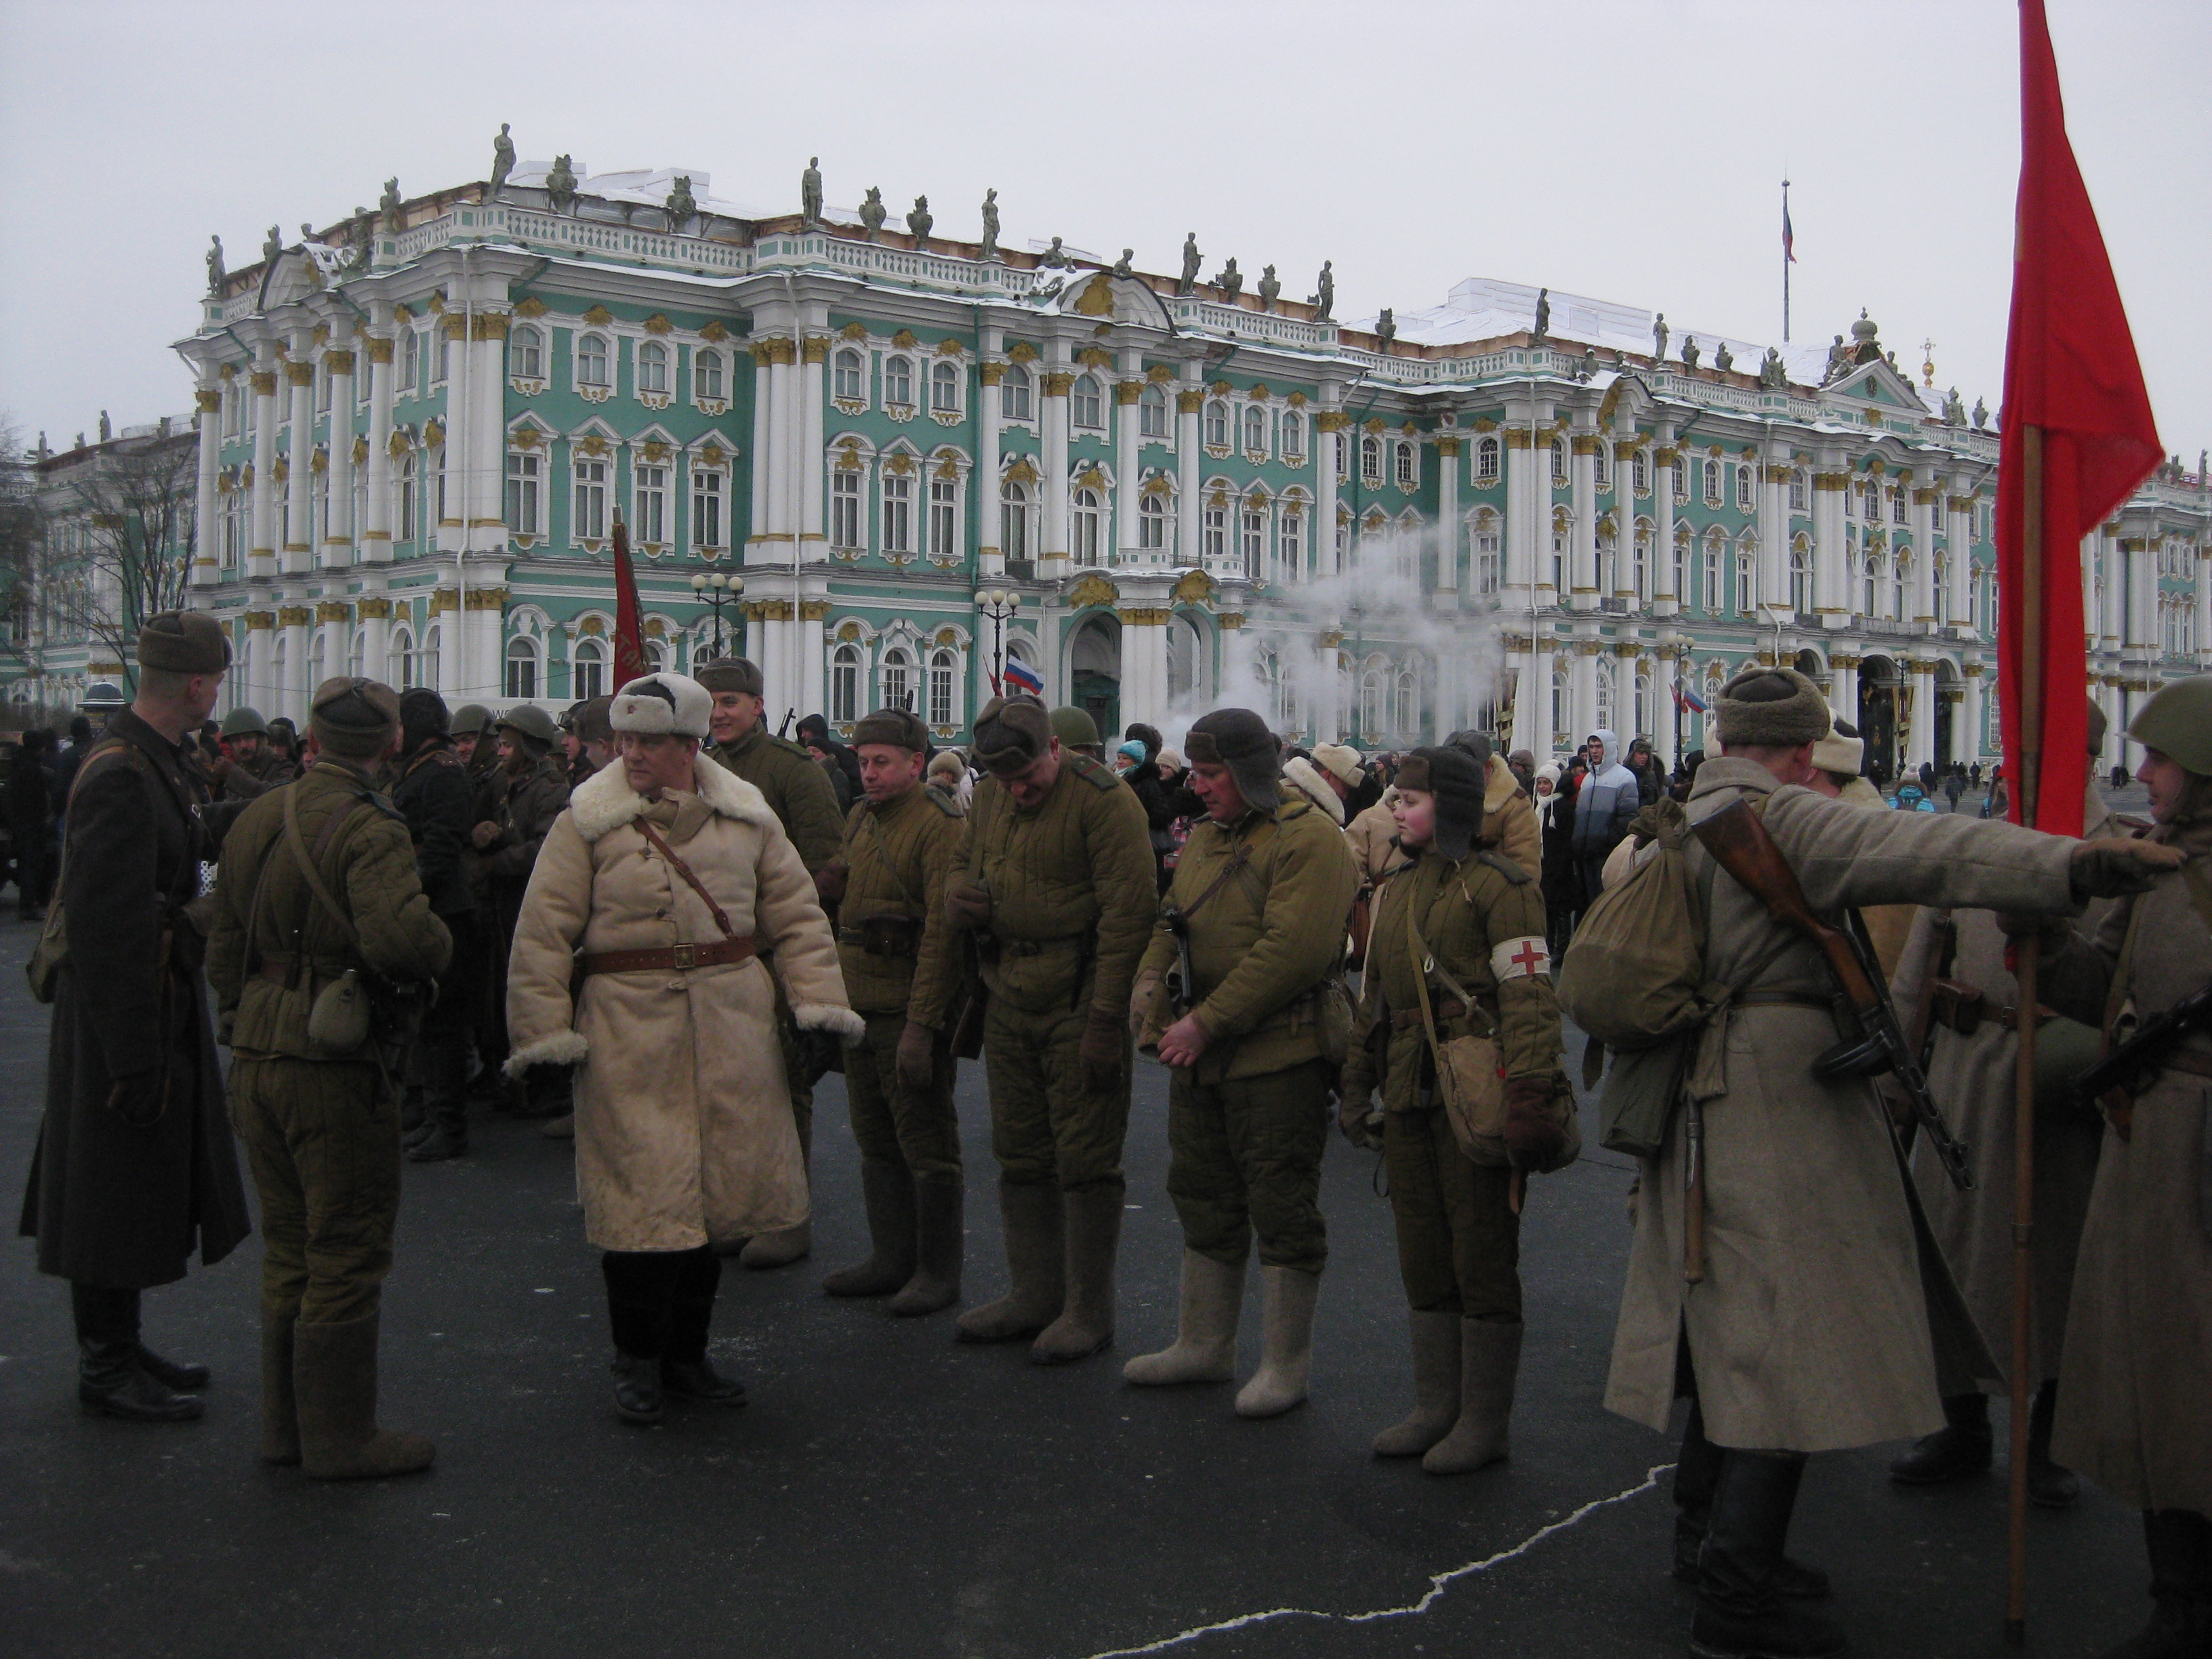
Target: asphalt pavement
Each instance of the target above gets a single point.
(889, 1492)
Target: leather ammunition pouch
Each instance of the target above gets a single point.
(887, 934)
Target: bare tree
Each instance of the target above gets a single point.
(134, 501)
(22, 535)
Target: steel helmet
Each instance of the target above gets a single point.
(244, 722)
(2176, 721)
(533, 722)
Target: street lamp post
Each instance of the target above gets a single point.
(715, 589)
(998, 603)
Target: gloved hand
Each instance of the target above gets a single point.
(1532, 1139)
(829, 883)
(140, 1098)
(1141, 993)
(2112, 868)
(967, 904)
(1352, 1116)
(917, 1055)
(1100, 1050)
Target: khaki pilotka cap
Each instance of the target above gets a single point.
(183, 642)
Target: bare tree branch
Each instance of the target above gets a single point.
(137, 500)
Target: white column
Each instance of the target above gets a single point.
(295, 620)
(1540, 705)
(1519, 668)
(2204, 604)
(1324, 719)
(783, 520)
(487, 450)
(2111, 623)
(1190, 399)
(808, 433)
(1127, 467)
(376, 613)
(1446, 597)
(1625, 445)
(376, 533)
(1774, 529)
(1582, 571)
(1582, 690)
(810, 666)
(1665, 601)
(1967, 728)
(1958, 539)
(207, 522)
(1054, 428)
(763, 469)
(1143, 666)
(1523, 514)
(1843, 691)
(266, 532)
(1663, 672)
(990, 559)
(450, 626)
(1925, 495)
(2142, 598)
(299, 482)
(337, 538)
(1831, 581)
(1321, 555)
(1920, 741)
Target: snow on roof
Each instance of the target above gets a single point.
(1485, 308)
(652, 186)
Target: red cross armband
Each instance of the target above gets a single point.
(1520, 958)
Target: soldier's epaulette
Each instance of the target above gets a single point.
(790, 746)
(1504, 866)
(1097, 776)
(1291, 809)
(945, 804)
(383, 804)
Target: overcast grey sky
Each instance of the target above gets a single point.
(1626, 148)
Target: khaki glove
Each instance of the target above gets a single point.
(1354, 1117)
(967, 904)
(1100, 1050)
(917, 1055)
(2114, 868)
(1532, 1139)
(829, 883)
(140, 1098)
(1146, 987)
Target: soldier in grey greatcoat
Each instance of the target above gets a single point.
(1824, 1315)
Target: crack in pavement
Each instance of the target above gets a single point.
(1439, 1583)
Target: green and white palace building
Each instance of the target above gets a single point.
(418, 428)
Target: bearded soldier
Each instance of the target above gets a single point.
(1458, 948)
(1810, 1328)
(2135, 1412)
(1955, 964)
(900, 844)
(1257, 910)
(249, 767)
(1055, 879)
(800, 795)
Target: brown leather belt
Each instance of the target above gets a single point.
(2010, 1018)
(1785, 1000)
(1446, 1008)
(670, 958)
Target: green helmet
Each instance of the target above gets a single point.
(471, 720)
(244, 722)
(533, 722)
(2176, 721)
(1074, 727)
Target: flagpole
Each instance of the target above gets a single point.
(2027, 959)
(1785, 261)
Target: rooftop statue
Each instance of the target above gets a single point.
(919, 221)
(389, 208)
(2203, 477)
(561, 184)
(1587, 369)
(1054, 258)
(1543, 311)
(216, 272)
(1269, 288)
(1689, 351)
(1327, 298)
(1126, 264)
(1186, 284)
(1724, 359)
(106, 431)
(502, 160)
(1773, 374)
(682, 205)
(810, 193)
(1981, 414)
(271, 245)
(1229, 281)
(990, 245)
(1659, 337)
(872, 214)
(1955, 409)
(1386, 327)
(1839, 359)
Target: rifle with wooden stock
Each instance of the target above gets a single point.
(1873, 1043)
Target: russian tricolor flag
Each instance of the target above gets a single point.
(1020, 677)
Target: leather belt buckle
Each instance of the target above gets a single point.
(683, 956)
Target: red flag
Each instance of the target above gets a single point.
(629, 647)
(2070, 369)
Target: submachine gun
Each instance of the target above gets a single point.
(2114, 1082)
(1873, 1042)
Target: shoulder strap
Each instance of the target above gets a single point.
(884, 846)
(297, 843)
(1425, 963)
(660, 846)
(1236, 863)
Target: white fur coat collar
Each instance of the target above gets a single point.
(605, 801)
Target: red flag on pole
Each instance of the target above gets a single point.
(2073, 387)
(630, 646)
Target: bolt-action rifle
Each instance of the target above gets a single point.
(1873, 1042)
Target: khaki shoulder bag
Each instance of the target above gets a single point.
(340, 1019)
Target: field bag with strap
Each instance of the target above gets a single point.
(339, 1020)
(43, 968)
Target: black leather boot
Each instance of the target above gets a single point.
(641, 1291)
(1962, 1447)
(111, 1379)
(1696, 1473)
(445, 1100)
(686, 1373)
(178, 1375)
(2052, 1485)
(2179, 1543)
(1741, 1615)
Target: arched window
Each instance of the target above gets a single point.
(1407, 713)
(525, 354)
(705, 507)
(402, 653)
(1217, 424)
(706, 375)
(944, 682)
(1371, 703)
(1747, 582)
(1370, 460)
(850, 384)
(1152, 523)
(1487, 551)
(358, 654)
(1213, 531)
(898, 513)
(1602, 467)
(945, 387)
(1152, 413)
(428, 664)
(1801, 581)
(1409, 466)
(1290, 545)
(589, 521)
(1086, 515)
(1870, 574)
(1254, 542)
(943, 518)
(898, 382)
(317, 655)
(1559, 727)
(845, 684)
(1797, 498)
(1745, 477)
(409, 495)
(1558, 461)
(411, 362)
(845, 507)
(1604, 679)
(1711, 595)
(1713, 481)
(898, 678)
(1639, 472)
(521, 670)
(1086, 406)
(1014, 520)
(525, 491)
(1640, 562)
(590, 359)
(1294, 437)
(1901, 579)
(1255, 428)
(1014, 394)
(1485, 460)
(588, 669)
(652, 369)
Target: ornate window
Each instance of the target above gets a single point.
(1152, 523)
(521, 670)
(1152, 413)
(1217, 424)
(1604, 689)
(1294, 437)
(849, 384)
(409, 495)
(1602, 467)
(1409, 466)
(652, 369)
(1896, 507)
(591, 360)
(1870, 577)
(1745, 477)
(1015, 391)
(403, 666)
(1640, 565)
(845, 509)
(649, 490)
(1084, 518)
(322, 391)
(1215, 532)
(1014, 520)
(705, 507)
(1797, 487)
(1290, 545)
(587, 670)
(589, 520)
(1711, 596)
(1485, 460)
(898, 382)
(1747, 582)
(943, 518)
(525, 354)
(898, 513)
(1407, 713)
(1486, 555)
(1086, 408)
(410, 362)
(1558, 461)
(1256, 429)
(1682, 472)
(1254, 542)
(525, 497)
(1713, 477)
(1639, 472)
(943, 681)
(845, 684)
(945, 387)
(898, 678)
(707, 381)
(1371, 460)
(1370, 702)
